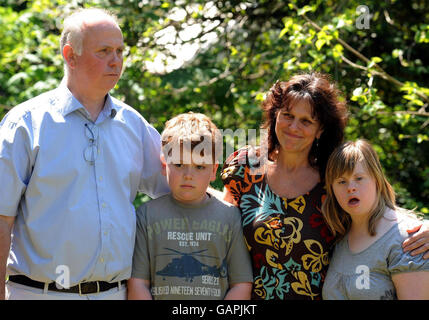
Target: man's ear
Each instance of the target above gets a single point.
(163, 165)
(69, 56)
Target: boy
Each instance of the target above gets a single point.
(189, 244)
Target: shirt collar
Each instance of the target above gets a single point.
(67, 103)
(108, 106)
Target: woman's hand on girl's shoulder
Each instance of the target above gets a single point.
(419, 242)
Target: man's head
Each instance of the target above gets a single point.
(190, 143)
(92, 46)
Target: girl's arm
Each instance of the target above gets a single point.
(139, 289)
(412, 285)
(239, 291)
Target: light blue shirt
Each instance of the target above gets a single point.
(68, 210)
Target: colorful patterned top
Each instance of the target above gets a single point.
(287, 238)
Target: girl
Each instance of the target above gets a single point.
(368, 261)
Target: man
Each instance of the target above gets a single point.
(71, 163)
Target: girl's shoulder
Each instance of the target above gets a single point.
(398, 260)
(407, 220)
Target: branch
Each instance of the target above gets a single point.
(414, 113)
(379, 71)
(380, 74)
(2, 106)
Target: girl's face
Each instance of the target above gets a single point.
(356, 193)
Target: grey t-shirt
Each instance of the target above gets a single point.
(367, 275)
(190, 251)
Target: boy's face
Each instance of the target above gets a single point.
(188, 182)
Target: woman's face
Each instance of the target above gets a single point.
(296, 128)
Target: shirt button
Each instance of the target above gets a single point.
(101, 178)
(104, 205)
(101, 260)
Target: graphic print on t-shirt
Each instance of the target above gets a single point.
(190, 252)
(187, 266)
(191, 256)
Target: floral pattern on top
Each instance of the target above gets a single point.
(288, 239)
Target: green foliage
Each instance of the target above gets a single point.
(242, 48)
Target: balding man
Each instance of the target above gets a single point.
(71, 163)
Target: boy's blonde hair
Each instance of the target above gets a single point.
(194, 133)
(343, 161)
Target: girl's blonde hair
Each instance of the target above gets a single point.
(343, 161)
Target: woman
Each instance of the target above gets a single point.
(281, 204)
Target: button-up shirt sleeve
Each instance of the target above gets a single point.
(15, 160)
(152, 183)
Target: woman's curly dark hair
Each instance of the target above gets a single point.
(323, 96)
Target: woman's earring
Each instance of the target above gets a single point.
(316, 147)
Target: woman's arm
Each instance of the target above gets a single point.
(139, 289)
(239, 291)
(418, 242)
(227, 196)
(412, 285)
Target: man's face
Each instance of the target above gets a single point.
(99, 67)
